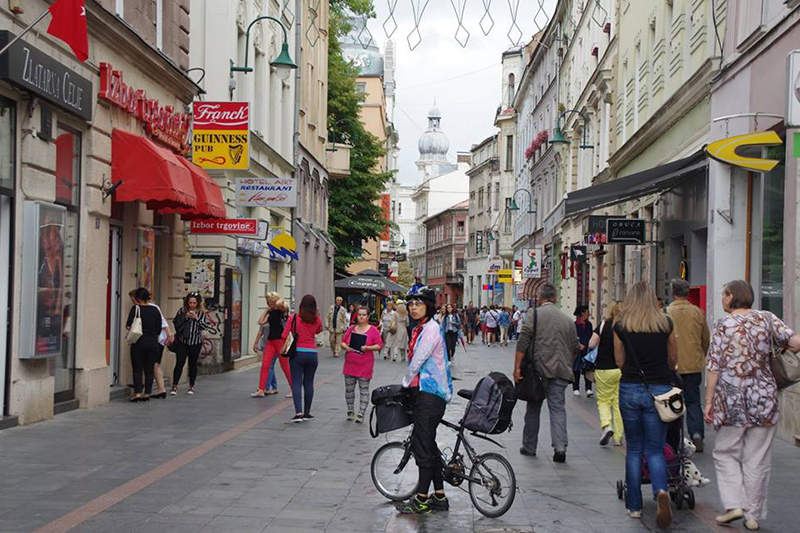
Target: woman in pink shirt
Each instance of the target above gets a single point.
(359, 361)
(304, 325)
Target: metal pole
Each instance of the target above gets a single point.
(26, 30)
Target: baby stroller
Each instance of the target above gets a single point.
(679, 491)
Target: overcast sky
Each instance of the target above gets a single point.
(466, 82)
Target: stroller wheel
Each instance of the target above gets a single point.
(690, 501)
(678, 497)
(620, 489)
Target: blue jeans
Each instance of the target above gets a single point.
(646, 435)
(303, 366)
(694, 409)
(272, 381)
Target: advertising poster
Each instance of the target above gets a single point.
(266, 192)
(232, 347)
(532, 262)
(202, 275)
(386, 207)
(221, 135)
(147, 259)
(49, 280)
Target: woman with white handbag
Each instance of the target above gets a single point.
(742, 401)
(646, 350)
(144, 326)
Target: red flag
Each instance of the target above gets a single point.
(69, 25)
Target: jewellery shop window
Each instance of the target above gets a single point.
(68, 173)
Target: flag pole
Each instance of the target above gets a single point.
(26, 30)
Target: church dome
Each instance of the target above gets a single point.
(434, 144)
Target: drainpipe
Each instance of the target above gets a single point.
(298, 35)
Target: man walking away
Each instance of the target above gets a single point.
(692, 336)
(471, 321)
(553, 351)
(336, 324)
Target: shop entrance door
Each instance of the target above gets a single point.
(5, 269)
(113, 305)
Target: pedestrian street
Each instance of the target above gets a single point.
(221, 461)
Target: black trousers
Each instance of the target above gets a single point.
(186, 352)
(450, 340)
(576, 385)
(428, 413)
(144, 354)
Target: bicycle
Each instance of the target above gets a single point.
(496, 486)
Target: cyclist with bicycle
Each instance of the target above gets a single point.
(431, 388)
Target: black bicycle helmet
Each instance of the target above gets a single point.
(422, 292)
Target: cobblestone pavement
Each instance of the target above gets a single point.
(221, 461)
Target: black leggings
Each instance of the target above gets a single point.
(428, 413)
(450, 340)
(143, 359)
(184, 352)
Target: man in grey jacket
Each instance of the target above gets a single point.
(553, 351)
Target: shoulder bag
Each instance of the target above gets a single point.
(135, 331)
(531, 387)
(785, 364)
(290, 344)
(393, 325)
(671, 405)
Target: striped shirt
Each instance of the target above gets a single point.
(191, 332)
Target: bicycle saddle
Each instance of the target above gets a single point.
(465, 393)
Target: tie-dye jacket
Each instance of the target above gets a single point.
(428, 366)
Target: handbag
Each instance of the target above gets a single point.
(135, 331)
(671, 405)
(393, 325)
(785, 364)
(531, 387)
(290, 344)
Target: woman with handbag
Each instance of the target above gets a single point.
(360, 342)
(274, 317)
(646, 350)
(144, 326)
(607, 377)
(742, 402)
(302, 354)
(190, 322)
(388, 327)
(397, 343)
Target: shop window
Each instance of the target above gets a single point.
(772, 234)
(68, 167)
(7, 121)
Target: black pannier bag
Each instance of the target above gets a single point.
(493, 400)
(390, 409)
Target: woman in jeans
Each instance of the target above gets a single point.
(359, 364)
(742, 402)
(144, 352)
(273, 316)
(429, 381)
(451, 328)
(606, 377)
(304, 325)
(646, 350)
(190, 322)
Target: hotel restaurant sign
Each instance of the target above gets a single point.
(34, 71)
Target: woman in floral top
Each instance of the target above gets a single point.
(742, 402)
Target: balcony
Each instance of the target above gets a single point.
(337, 160)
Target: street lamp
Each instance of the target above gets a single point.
(558, 136)
(283, 62)
(515, 207)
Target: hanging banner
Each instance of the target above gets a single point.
(532, 262)
(266, 192)
(221, 135)
(578, 254)
(386, 207)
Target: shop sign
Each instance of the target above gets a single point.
(505, 276)
(578, 254)
(202, 275)
(386, 207)
(37, 72)
(266, 192)
(596, 229)
(793, 89)
(42, 286)
(532, 262)
(163, 123)
(221, 135)
(725, 150)
(387, 256)
(250, 247)
(493, 266)
(226, 226)
(487, 287)
(281, 246)
(625, 231)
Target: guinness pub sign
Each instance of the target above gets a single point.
(36, 72)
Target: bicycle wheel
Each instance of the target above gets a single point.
(495, 493)
(396, 486)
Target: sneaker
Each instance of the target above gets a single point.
(589, 393)
(272, 391)
(525, 451)
(560, 457)
(297, 418)
(751, 525)
(606, 435)
(351, 417)
(414, 505)
(174, 391)
(698, 443)
(636, 515)
(288, 395)
(258, 394)
(190, 392)
(730, 516)
(308, 417)
(576, 393)
(360, 419)
(618, 442)
(664, 512)
(439, 503)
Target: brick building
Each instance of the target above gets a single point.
(445, 251)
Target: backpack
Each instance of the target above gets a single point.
(493, 400)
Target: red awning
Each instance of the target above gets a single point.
(149, 173)
(210, 203)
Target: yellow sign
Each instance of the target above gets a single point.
(505, 276)
(724, 150)
(221, 135)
